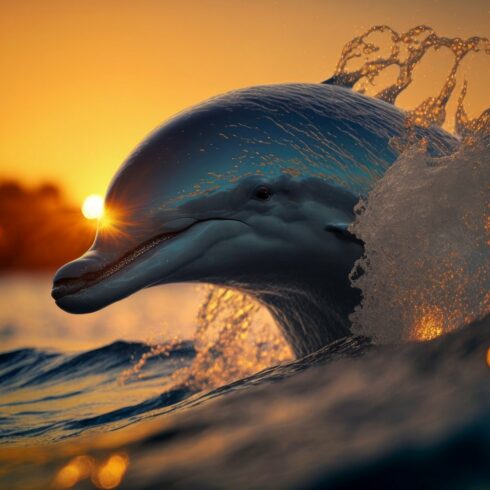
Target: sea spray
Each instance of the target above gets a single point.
(426, 231)
(405, 51)
(425, 224)
(234, 338)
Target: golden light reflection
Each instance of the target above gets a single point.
(79, 468)
(106, 475)
(488, 357)
(229, 323)
(93, 206)
(111, 473)
(429, 326)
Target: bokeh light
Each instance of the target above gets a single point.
(105, 475)
(110, 474)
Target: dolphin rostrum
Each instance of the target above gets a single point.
(252, 190)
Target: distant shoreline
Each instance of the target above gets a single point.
(39, 229)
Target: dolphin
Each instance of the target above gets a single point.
(253, 190)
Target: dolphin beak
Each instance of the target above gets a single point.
(75, 276)
(107, 274)
(71, 273)
(103, 276)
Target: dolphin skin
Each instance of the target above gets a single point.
(252, 190)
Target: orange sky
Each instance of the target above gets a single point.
(83, 81)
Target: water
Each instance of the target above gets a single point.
(71, 373)
(47, 396)
(223, 405)
(78, 380)
(425, 225)
(349, 416)
(29, 317)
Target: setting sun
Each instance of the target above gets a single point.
(93, 206)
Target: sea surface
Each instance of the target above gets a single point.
(63, 376)
(73, 376)
(30, 318)
(352, 415)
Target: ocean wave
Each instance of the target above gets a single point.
(28, 367)
(364, 416)
(49, 396)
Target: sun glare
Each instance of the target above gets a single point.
(93, 206)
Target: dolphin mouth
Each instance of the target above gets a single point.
(68, 286)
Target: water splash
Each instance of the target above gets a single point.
(233, 340)
(163, 349)
(426, 231)
(471, 130)
(425, 224)
(406, 51)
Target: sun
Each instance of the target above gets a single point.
(93, 206)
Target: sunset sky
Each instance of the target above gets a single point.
(84, 81)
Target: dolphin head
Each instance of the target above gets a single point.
(253, 189)
(253, 235)
(215, 195)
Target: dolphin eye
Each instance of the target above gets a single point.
(263, 193)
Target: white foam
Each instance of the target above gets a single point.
(426, 227)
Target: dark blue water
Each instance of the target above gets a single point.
(47, 396)
(352, 415)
